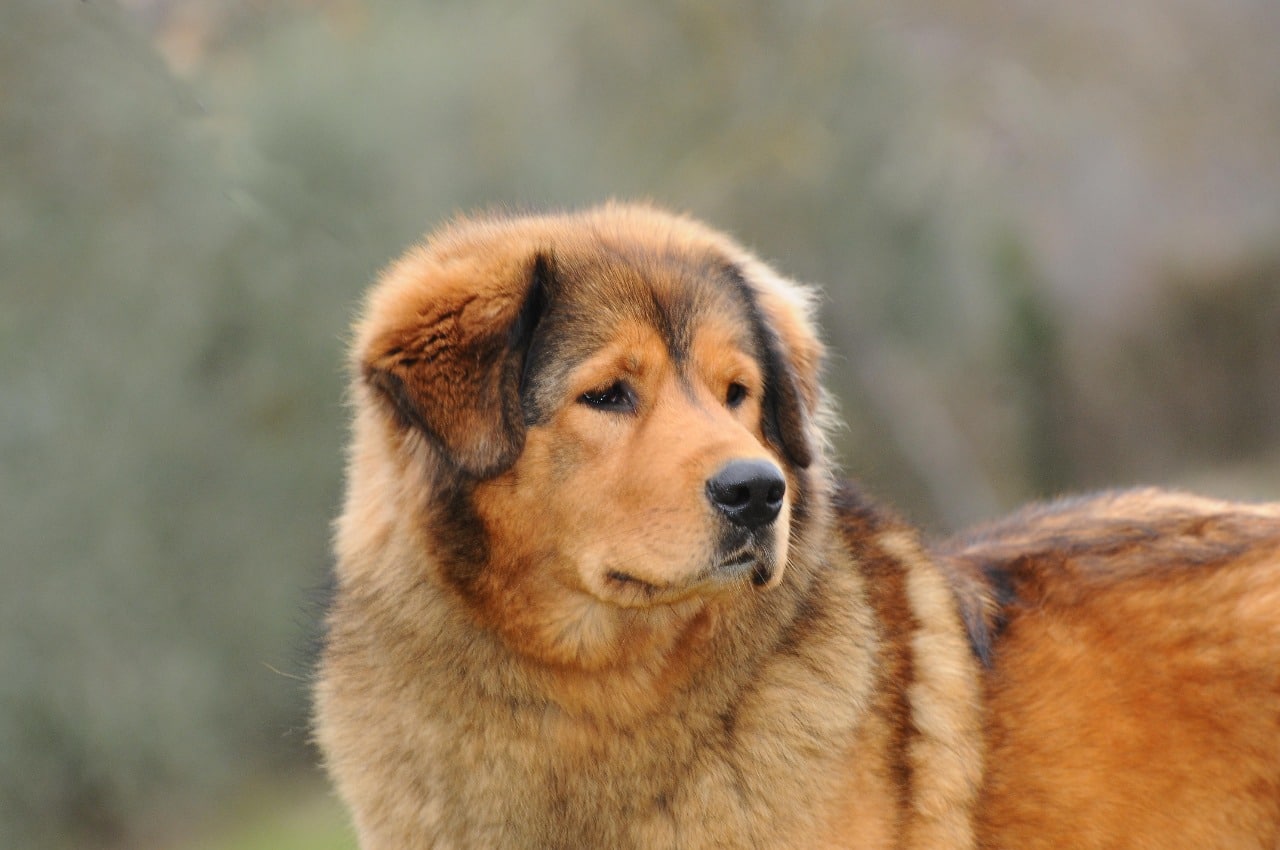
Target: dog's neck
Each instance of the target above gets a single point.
(634, 663)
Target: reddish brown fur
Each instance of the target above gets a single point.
(1135, 697)
(537, 640)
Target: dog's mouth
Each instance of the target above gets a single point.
(627, 580)
(746, 563)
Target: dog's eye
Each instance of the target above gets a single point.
(616, 397)
(735, 395)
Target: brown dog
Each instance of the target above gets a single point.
(598, 588)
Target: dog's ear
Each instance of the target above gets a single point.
(793, 357)
(786, 413)
(443, 344)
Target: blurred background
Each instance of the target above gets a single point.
(1048, 236)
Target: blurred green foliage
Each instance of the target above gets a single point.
(309, 821)
(169, 429)
(1042, 270)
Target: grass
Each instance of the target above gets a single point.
(312, 821)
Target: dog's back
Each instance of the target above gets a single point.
(1134, 686)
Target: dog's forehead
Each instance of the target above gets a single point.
(674, 292)
(593, 294)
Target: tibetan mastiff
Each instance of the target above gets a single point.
(598, 586)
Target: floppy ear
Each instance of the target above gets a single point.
(781, 312)
(445, 346)
(786, 415)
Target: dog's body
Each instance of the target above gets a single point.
(597, 587)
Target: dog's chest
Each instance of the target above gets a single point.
(659, 788)
(761, 766)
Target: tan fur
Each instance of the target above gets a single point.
(545, 636)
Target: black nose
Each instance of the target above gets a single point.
(748, 492)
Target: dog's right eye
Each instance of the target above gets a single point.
(616, 397)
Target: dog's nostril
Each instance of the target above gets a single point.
(748, 492)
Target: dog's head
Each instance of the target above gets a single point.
(608, 413)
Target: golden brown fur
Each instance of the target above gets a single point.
(549, 631)
(1134, 699)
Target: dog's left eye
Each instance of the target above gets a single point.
(735, 395)
(616, 397)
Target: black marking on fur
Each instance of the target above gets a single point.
(460, 534)
(849, 501)
(403, 405)
(564, 336)
(729, 722)
(676, 320)
(983, 634)
(784, 415)
(531, 312)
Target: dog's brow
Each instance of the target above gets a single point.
(709, 288)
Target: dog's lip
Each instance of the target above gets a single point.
(629, 591)
(730, 569)
(743, 562)
(736, 563)
(731, 566)
(627, 578)
(746, 561)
